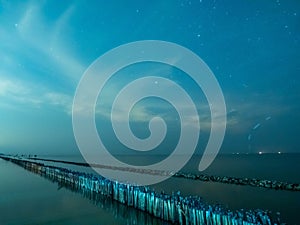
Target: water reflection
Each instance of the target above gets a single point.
(174, 208)
(118, 210)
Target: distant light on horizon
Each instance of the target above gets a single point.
(260, 153)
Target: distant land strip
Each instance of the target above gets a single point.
(269, 184)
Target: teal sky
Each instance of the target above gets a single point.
(251, 46)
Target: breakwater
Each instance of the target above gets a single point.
(269, 184)
(254, 182)
(128, 214)
(174, 208)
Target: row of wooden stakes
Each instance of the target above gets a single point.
(174, 208)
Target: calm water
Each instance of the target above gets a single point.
(27, 198)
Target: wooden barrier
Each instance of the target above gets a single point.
(174, 208)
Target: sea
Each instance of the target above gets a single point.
(26, 198)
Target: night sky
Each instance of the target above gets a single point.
(252, 47)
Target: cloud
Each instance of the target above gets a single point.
(33, 48)
(243, 115)
(16, 92)
(47, 40)
(8, 87)
(59, 99)
(144, 113)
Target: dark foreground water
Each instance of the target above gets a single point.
(26, 198)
